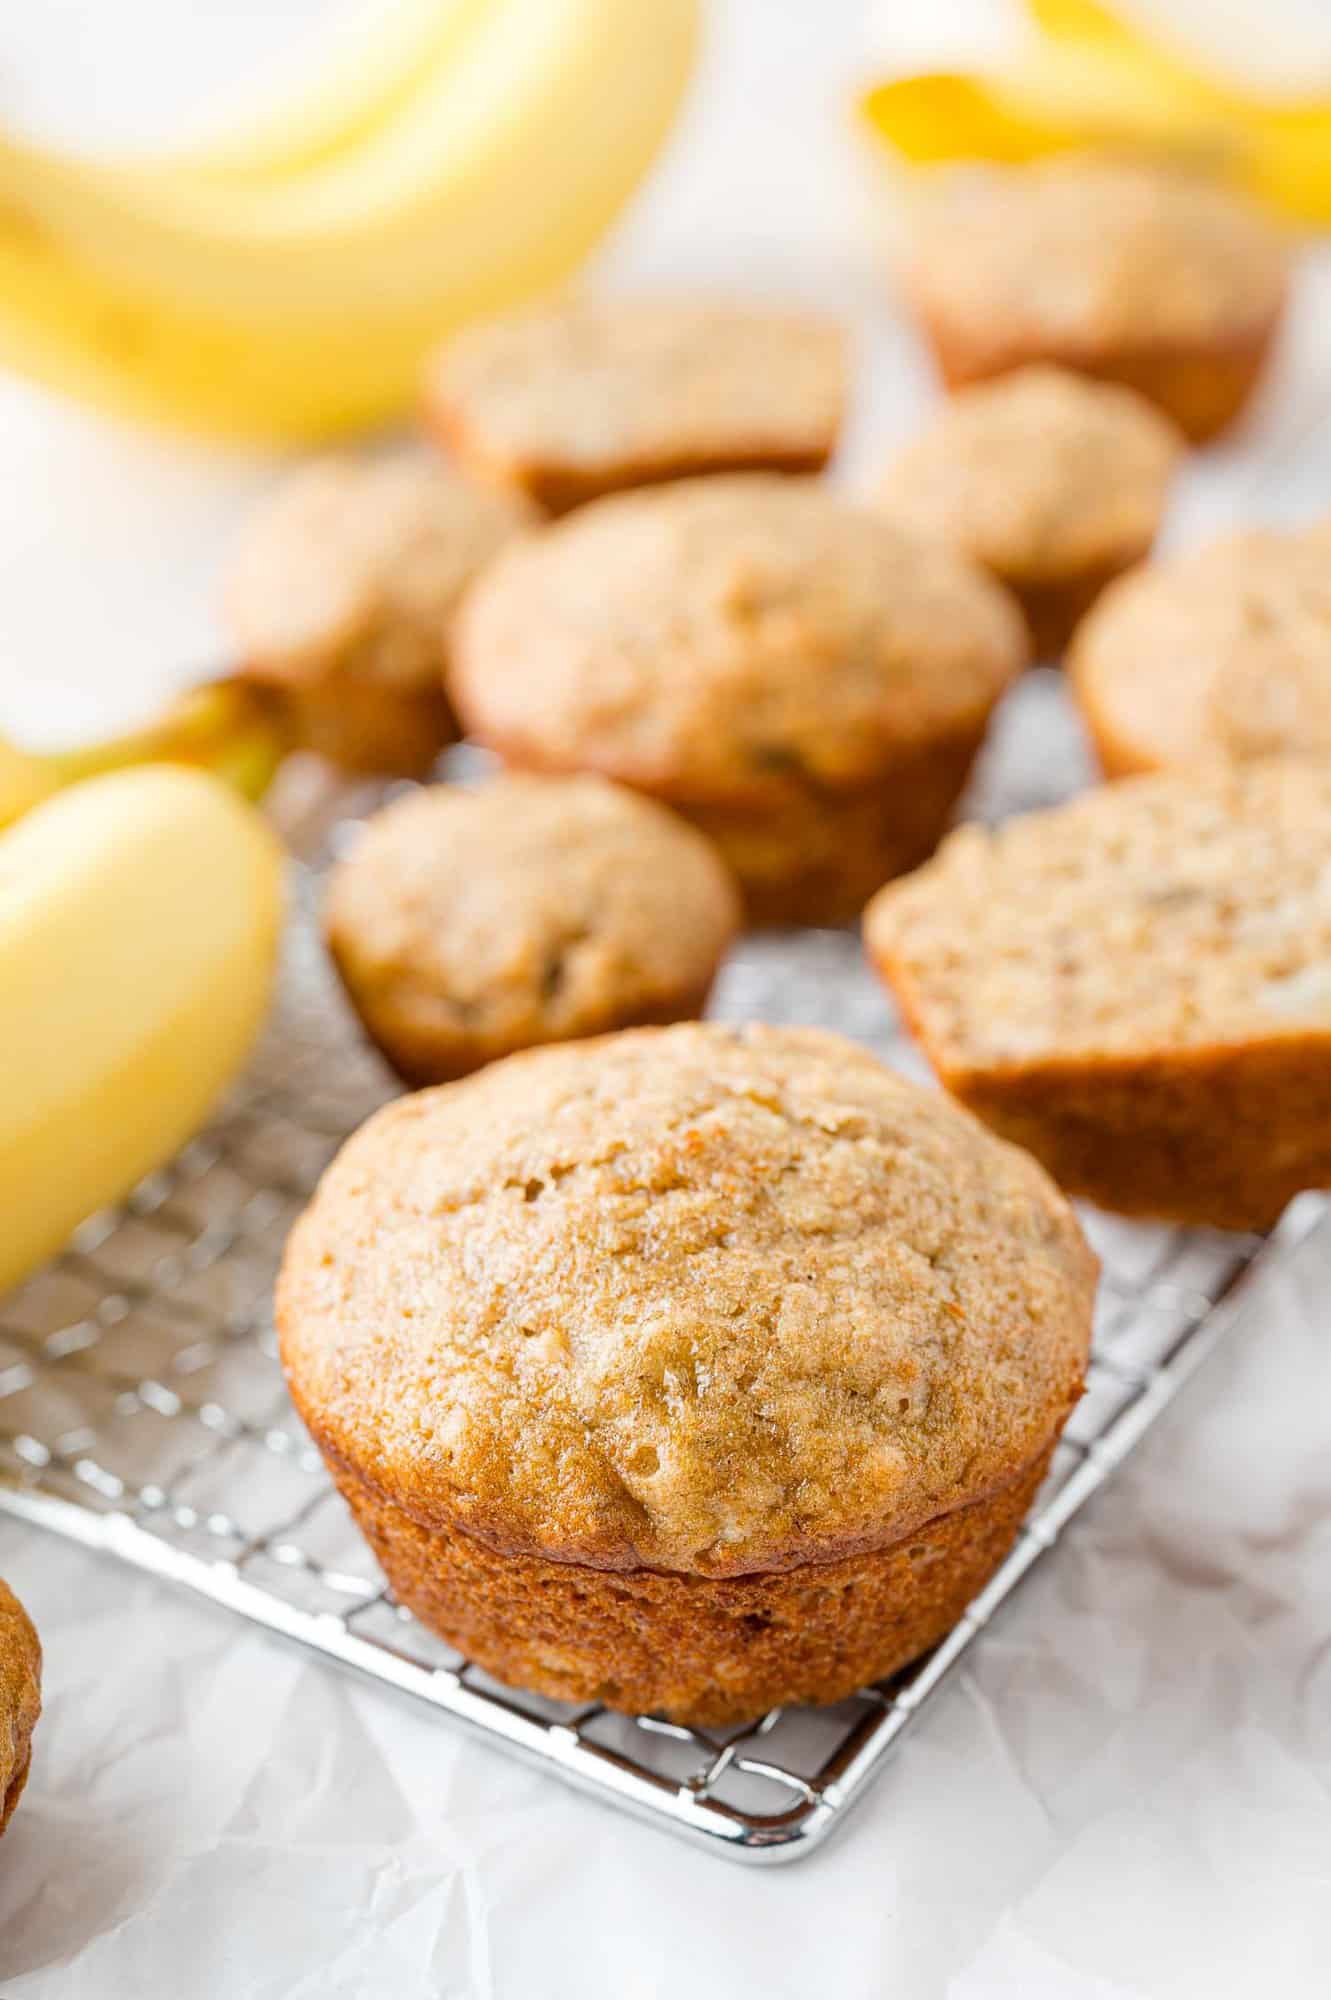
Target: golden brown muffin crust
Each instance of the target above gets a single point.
(703, 1649)
(1089, 252)
(1224, 651)
(1040, 476)
(1137, 986)
(468, 923)
(700, 1299)
(589, 395)
(812, 856)
(20, 1699)
(729, 640)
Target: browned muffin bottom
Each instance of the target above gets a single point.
(1053, 483)
(468, 924)
(1222, 652)
(816, 856)
(339, 599)
(694, 1369)
(803, 680)
(587, 396)
(1137, 273)
(20, 1699)
(1137, 986)
(702, 1650)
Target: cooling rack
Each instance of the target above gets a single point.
(142, 1412)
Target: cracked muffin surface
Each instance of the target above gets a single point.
(704, 1300)
(1224, 651)
(20, 1698)
(589, 395)
(469, 923)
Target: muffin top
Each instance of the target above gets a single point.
(699, 1298)
(1223, 651)
(530, 907)
(1184, 911)
(1041, 474)
(361, 562)
(20, 1696)
(614, 387)
(729, 638)
(1087, 251)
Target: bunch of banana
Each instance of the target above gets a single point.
(284, 283)
(221, 727)
(139, 916)
(1086, 77)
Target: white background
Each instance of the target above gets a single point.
(1127, 1792)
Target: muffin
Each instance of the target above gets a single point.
(586, 395)
(803, 680)
(339, 597)
(1223, 652)
(1135, 272)
(468, 924)
(20, 1699)
(1137, 986)
(695, 1370)
(1051, 482)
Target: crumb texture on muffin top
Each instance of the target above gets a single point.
(704, 1299)
(525, 910)
(1183, 912)
(605, 389)
(359, 564)
(1094, 251)
(20, 1698)
(1040, 474)
(1223, 651)
(730, 638)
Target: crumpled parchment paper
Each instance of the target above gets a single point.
(1125, 1795)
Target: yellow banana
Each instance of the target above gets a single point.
(374, 66)
(139, 917)
(302, 306)
(1098, 32)
(1092, 80)
(223, 727)
(22, 783)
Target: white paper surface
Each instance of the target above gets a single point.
(1126, 1795)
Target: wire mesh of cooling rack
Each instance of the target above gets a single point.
(142, 1411)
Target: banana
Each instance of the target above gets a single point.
(224, 727)
(139, 917)
(23, 782)
(1088, 78)
(301, 306)
(374, 66)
